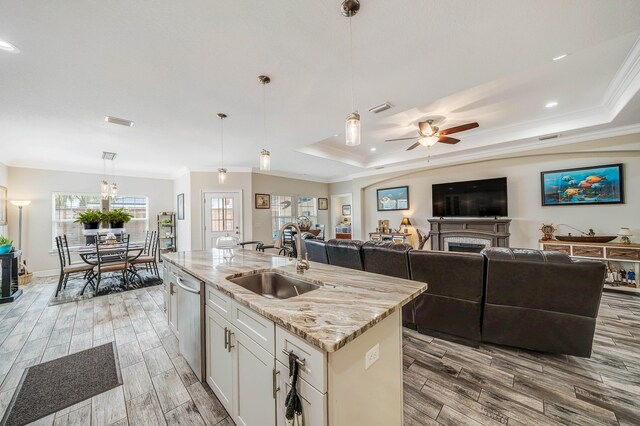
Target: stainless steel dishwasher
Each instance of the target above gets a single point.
(190, 332)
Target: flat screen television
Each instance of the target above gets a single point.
(476, 198)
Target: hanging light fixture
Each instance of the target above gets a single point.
(349, 9)
(222, 172)
(108, 190)
(265, 156)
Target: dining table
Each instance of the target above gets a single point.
(116, 251)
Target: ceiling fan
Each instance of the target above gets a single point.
(429, 135)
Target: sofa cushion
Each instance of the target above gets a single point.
(386, 258)
(526, 255)
(317, 250)
(345, 253)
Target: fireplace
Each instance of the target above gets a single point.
(468, 234)
(465, 247)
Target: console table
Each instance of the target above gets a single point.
(396, 237)
(629, 254)
(10, 290)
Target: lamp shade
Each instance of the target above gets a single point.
(624, 232)
(21, 203)
(405, 221)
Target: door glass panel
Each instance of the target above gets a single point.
(222, 214)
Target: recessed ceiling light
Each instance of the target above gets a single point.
(8, 47)
(557, 58)
(373, 149)
(551, 104)
(120, 121)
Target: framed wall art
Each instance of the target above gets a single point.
(393, 198)
(263, 201)
(323, 204)
(180, 208)
(583, 186)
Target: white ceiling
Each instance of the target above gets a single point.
(173, 66)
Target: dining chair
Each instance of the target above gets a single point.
(66, 268)
(68, 253)
(108, 262)
(150, 259)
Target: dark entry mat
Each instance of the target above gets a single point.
(54, 385)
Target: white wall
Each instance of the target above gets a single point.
(4, 181)
(182, 185)
(39, 185)
(525, 210)
(268, 184)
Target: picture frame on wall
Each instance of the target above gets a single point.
(263, 201)
(3, 205)
(595, 185)
(390, 199)
(346, 210)
(323, 204)
(180, 208)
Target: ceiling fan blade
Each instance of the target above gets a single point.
(400, 139)
(415, 145)
(445, 139)
(460, 128)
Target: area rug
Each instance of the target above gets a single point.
(111, 283)
(55, 385)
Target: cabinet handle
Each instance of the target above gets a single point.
(230, 345)
(226, 338)
(171, 291)
(275, 383)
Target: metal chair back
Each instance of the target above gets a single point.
(105, 256)
(61, 254)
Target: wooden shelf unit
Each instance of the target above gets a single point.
(167, 243)
(629, 254)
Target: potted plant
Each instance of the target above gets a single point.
(90, 219)
(5, 245)
(118, 217)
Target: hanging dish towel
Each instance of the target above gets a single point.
(293, 403)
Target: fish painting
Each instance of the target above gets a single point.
(587, 185)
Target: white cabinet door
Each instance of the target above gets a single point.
(314, 405)
(219, 358)
(254, 403)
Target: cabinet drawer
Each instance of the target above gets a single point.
(588, 251)
(254, 325)
(314, 403)
(220, 303)
(557, 247)
(623, 253)
(314, 369)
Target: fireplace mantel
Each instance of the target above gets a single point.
(490, 232)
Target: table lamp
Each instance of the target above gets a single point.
(624, 234)
(405, 222)
(20, 204)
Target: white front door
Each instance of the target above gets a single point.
(222, 216)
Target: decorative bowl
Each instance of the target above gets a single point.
(582, 239)
(6, 248)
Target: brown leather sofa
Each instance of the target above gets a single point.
(541, 300)
(451, 307)
(389, 258)
(317, 250)
(345, 253)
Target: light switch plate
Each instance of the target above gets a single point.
(372, 356)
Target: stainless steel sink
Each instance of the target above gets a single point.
(274, 285)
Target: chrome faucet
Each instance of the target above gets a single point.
(301, 264)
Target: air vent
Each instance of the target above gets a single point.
(379, 168)
(120, 121)
(546, 138)
(108, 155)
(379, 108)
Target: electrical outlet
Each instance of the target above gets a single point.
(372, 356)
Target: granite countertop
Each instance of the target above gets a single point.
(348, 304)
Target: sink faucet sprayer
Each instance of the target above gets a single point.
(301, 264)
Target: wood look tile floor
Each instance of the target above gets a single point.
(444, 383)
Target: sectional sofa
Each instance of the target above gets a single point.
(537, 300)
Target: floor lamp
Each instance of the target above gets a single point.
(20, 204)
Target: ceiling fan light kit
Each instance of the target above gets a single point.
(429, 135)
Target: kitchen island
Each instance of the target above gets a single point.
(346, 332)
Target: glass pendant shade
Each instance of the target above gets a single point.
(352, 129)
(114, 190)
(265, 161)
(222, 175)
(428, 141)
(104, 190)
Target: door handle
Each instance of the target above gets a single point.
(186, 287)
(229, 346)
(276, 388)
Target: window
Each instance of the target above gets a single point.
(222, 214)
(67, 206)
(308, 206)
(281, 212)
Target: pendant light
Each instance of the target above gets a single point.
(265, 156)
(222, 172)
(113, 192)
(349, 9)
(108, 190)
